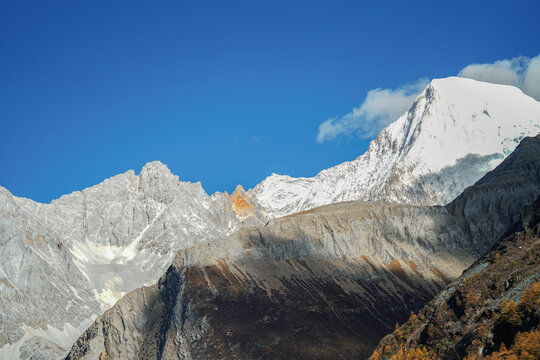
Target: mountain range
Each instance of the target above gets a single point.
(325, 264)
(323, 284)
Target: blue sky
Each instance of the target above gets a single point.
(223, 92)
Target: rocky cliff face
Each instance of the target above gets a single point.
(325, 283)
(491, 312)
(455, 132)
(66, 262)
(84, 251)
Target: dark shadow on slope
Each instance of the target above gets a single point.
(286, 300)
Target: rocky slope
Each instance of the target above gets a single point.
(455, 132)
(84, 251)
(325, 283)
(64, 263)
(491, 312)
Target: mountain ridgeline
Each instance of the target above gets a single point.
(319, 267)
(326, 283)
(454, 133)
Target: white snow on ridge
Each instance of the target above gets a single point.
(82, 252)
(457, 130)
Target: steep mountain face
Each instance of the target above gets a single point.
(84, 251)
(325, 283)
(491, 312)
(64, 263)
(455, 132)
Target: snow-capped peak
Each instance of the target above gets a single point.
(456, 130)
(84, 250)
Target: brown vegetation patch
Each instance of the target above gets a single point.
(440, 275)
(397, 270)
(395, 266)
(366, 259)
(300, 213)
(414, 268)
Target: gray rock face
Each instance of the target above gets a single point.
(41, 288)
(66, 262)
(325, 283)
(62, 264)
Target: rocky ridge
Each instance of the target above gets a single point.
(66, 262)
(325, 283)
(87, 249)
(455, 132)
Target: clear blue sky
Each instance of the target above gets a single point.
(223, 92)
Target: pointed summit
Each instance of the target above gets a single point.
(456, 131)
(240, 203)
(156, 168)
(157, 181)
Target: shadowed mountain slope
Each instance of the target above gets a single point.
(87, 249)
(491, 312)
(326, 283)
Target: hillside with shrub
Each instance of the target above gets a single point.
(491, 312)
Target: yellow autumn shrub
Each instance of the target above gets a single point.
(527, 345)
(510, 314)
(420, 353)
(531, 295)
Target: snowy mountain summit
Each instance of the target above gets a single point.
(81, 253)
(456, 131)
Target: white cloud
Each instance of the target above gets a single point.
(380, 108)
(522, 72)
(383, 106)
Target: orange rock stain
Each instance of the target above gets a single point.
(240, 204)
